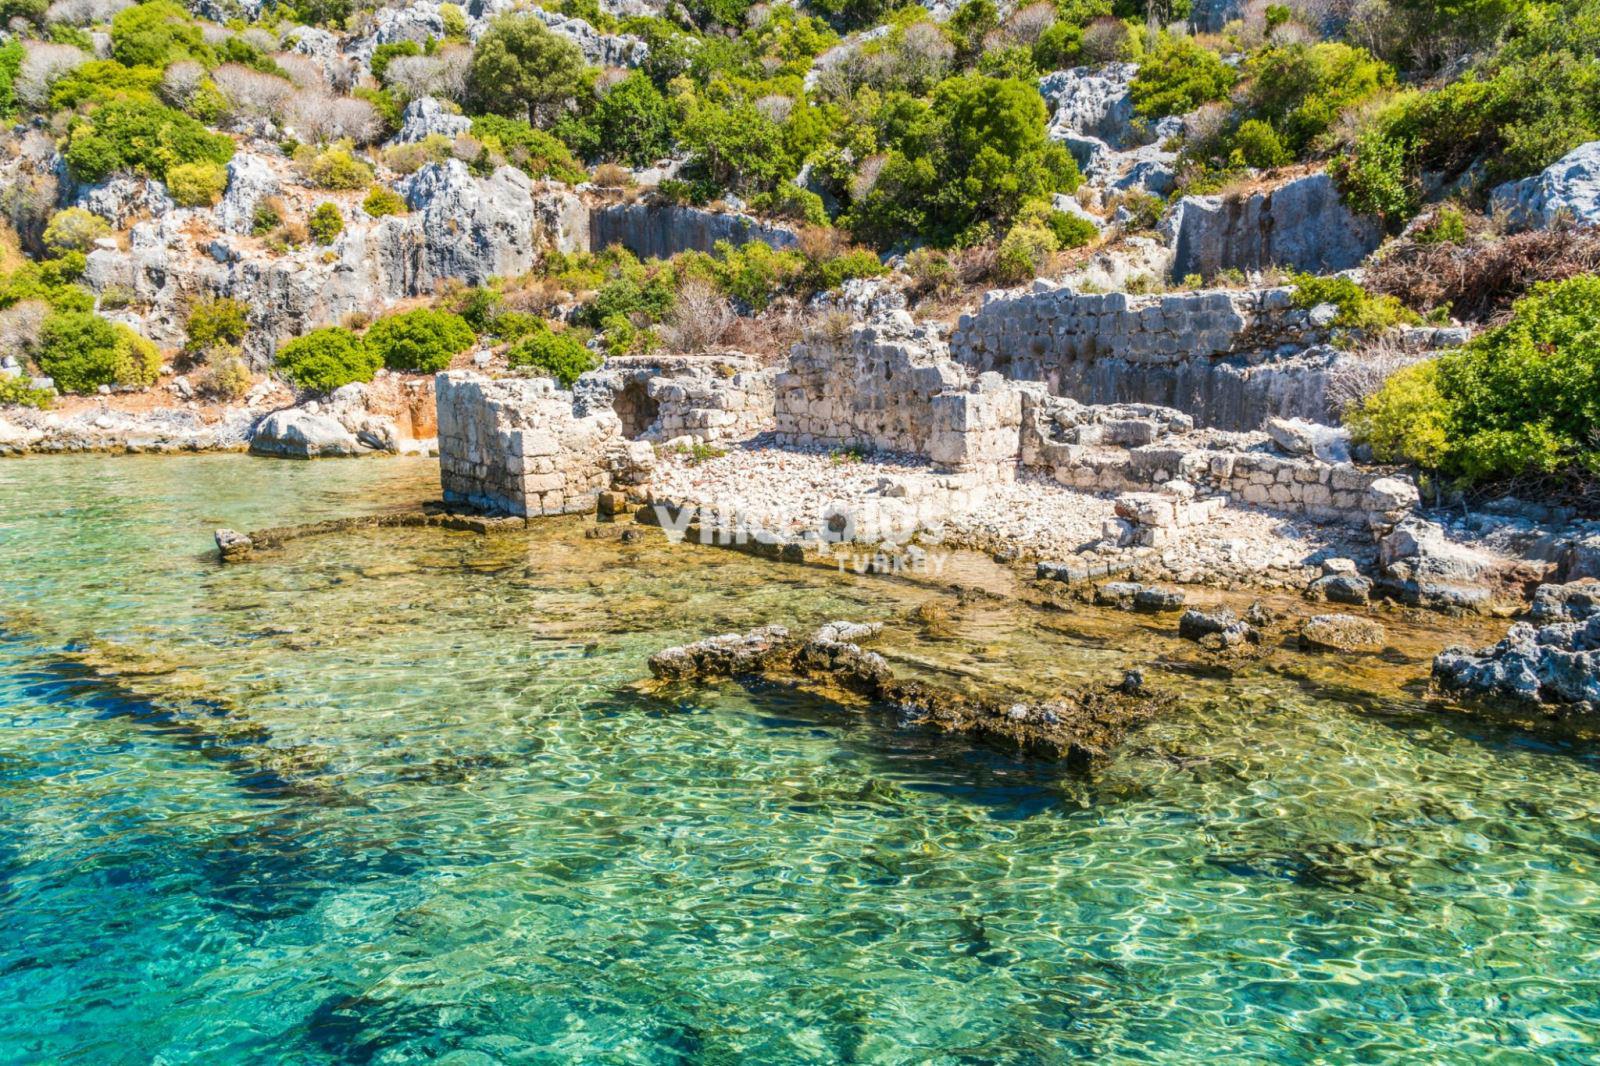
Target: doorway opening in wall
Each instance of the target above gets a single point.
(637, 410)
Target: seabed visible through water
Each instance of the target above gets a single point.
(394, 797)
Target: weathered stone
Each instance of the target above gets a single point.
(1567, 189)
(296, 433)
(426, 117)
(1351, 589)
(1342, 632)
(1555, 668)
(233, 546)
(1575, 602)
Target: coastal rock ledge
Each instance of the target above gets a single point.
(1554, 668)
(1080, 728)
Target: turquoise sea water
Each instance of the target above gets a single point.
(395, 797)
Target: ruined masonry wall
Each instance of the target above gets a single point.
(892, 387)
(517, 445)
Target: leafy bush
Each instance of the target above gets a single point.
(557, 355)
(1523, 398)
(423, 340)
(219, 320)
(156, 33)
(1178, 77)
(382, 201)
(83, 351)
(226, 377)
(325, 359)
(630, 124)
(1072, 231)
(140, 135)
(337, 169)
(1358, 308)
(1256, 144)
(74, 230)
(1300, 89)
(1025, 251)
(537, 153)
(196, 184)
(325, 223)
(791, 202)
(20, 392)
(1446, 225)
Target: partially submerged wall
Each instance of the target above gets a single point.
(521, 446)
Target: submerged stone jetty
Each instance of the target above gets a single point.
(1080, 728)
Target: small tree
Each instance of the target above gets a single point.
(83, 351)
(522, 70)
(221, 320)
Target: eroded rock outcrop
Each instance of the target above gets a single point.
(1553, 668)
(1301, 224)
(1568, 189)
(1081, 728)
(662, 230)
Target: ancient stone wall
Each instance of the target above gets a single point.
(710, 398)
(1133, 448)
(1231, 359)
(891, 386)
(521, 446)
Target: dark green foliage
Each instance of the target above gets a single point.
(977, 155)
(630, 124)
(1072, 231)
(11, 55)
(29, 11)
(156, 33)
(536, 152)
(1178, 77)
(322, 12)
(852, 14)
(1300, 89)
(520, 69)
(20, 392)
(325, 359)
(325, 223)
(423, 340)
(1257, 144)
(557, 355)
(1521, 399)
(222, 320)
(139, 135)
(82, 351)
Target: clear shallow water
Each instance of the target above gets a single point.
(393, 797)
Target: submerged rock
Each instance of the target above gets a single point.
(1342, 632)
(233, 545)
(1079, 728)
(1218, 629)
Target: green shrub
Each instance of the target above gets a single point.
(325, 223)
(83, 351)
(1447, 226)
(19, 392)
(1358, 308)
(791, 202)
(1072, 231)
(219, 320)
(1178, 77)
(226, 376)
(630, 124)
(196, 184)
(1301, 89)
(74, 230)
(557, 355)
(337, 169)
(1523, 398)
(140, 135)
(11, 57)
(382, 201)
(391, 50)
(537, 153)
(156, 33)
(325, 359)
(1256, 144)
(423, 340)
(1025, 251)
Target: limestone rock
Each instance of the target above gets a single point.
(1568, 188)
(122, 199)
(1094, 101)
(425, 117)
(1342, 632)
(296, 433)
(1218, 629)
(1422, 567)
(1352, 589)
(233, 545)
(471, 228)
(1575, 602)
(250, 181)
(1300, 224)
(662, 230)
(1296, 436)
(1556, 667)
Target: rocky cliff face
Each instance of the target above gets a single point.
(664, 230)
(1301, 224)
